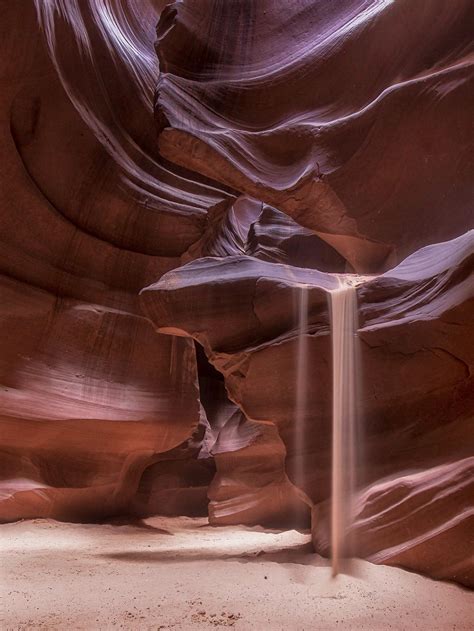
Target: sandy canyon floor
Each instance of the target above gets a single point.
(182, 574)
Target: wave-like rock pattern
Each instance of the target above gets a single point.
(434, 506)
(416, 362)
(293, 145)
(341, 115)
(90, 213)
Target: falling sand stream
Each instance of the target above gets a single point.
(343, 308)
(345, 442)
(301, 385)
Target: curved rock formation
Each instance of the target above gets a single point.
(434, 506)
(90, 214)
(323, 113)
(293, 146)
(416, 361)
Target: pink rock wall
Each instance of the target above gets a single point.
(89, 216)
(292, 144)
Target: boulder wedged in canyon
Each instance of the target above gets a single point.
(320, 111)
(416, 358)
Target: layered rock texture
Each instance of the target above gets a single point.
(91, 396)
(415, 399)
(340, 114)
(160, 213)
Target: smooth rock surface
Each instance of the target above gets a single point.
(415, 363)
(353, 117)
(90, 394)
(149, 286)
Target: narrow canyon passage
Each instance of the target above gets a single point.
(237, 314)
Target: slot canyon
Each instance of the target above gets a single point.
(237, 314)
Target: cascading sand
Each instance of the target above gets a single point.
(301, 386)
(344, 316)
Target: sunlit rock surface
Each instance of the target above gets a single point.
(354, 117)
(90, 214)
(293, 145)
(433, 506)
(415, 360)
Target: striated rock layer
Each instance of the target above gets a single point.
(416, 396)
(294, 145)
(90, 214)
(354, 117)
(434, 506)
